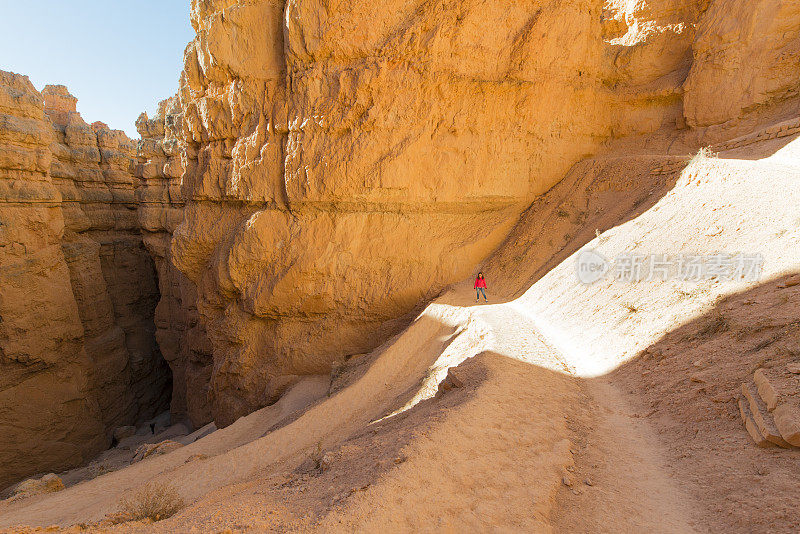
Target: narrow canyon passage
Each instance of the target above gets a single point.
(79, 355)
(262, 310)
(602, 407)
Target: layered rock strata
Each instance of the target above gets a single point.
(770, 406)
(78, 355)
(345, 162)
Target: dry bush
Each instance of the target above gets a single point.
(630, 307)
(153, 501)
(703, 155)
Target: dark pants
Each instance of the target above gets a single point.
(478, 292)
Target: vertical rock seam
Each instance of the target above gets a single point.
(180, 335)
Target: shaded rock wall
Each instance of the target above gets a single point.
(78, 355)
(745, 59)
(112, 274)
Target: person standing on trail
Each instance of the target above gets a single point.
(480, 288)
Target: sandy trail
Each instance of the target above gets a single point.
(619, 481)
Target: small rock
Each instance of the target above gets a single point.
(589, 482)
(766, 389)
(791, 282)
(793, 368)
(451, 381)
(325, 462)
(787, 419)
(123, 432)
(566, 480)
(157, 449)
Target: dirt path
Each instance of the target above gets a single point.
(619, 482)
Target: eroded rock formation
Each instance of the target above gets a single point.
(77, 287)
(325, 167)
(340, 171)
(344, 161)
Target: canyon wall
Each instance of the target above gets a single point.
(325, 167)
(78, 355)
(745, 61)
(347, 160)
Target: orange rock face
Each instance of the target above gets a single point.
(346, 160)
(747, 51)
(78, 355)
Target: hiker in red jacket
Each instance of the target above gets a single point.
(480, 287)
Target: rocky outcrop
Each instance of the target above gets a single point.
(748, 51)
(77, 349)
(770, 406)
(180, 335)
(49, 483)
(112, 274)
(345, 162)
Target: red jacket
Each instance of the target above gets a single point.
(480, 282)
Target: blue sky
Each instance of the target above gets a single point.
(119, 57)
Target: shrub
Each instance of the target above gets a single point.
(704, 154)
(630, 307)
(153, 501)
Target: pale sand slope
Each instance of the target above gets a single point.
(545, 435)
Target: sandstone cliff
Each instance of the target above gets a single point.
(77, 349)
(339, 171)
(345, 161)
